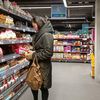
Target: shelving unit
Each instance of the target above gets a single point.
(18, 16)
(24, 29)
(7, 58)
(71, 48)
(15, 41)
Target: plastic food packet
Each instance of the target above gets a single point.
(1, 3)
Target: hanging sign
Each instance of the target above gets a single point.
(58, 11)
(85, 28)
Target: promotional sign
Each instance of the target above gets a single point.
(85, 28)
(58, 11)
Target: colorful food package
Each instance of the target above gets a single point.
(1, 52)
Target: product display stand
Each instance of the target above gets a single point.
(15, 29)
(71, 48)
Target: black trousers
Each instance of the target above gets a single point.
(45, 94)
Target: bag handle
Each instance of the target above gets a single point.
(35, 61)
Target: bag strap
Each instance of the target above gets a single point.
(35, 61)
(36, 41)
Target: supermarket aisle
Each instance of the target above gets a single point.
(71, 81)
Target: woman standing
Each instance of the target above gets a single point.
(43, 44)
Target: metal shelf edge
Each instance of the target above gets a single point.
(8, 57)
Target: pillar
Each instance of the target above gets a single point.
(97, 40)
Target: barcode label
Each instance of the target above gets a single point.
(3, 60)
(14, 56)
(1, 42)
(4, 77)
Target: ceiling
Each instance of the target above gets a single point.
(76, 9)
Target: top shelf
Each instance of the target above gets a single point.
(17, 16)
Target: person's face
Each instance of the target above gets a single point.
(35, 26)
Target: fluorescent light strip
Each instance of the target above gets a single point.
(84, 6)
(35, 7)
(65, 3)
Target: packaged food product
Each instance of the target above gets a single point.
(1, 52)
(5, 84)
(1, 86)
(7, 4)
(10, 96)
(3, 67)
(1, 3)
(12, 62)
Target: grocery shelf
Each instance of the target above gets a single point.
(24, 29)
(70, 52)
(85, 52)
(15, 41)
(85, 45)
(64, 52)
(78, 61)
(85, 39)
(18, 16)
(58, 51)
(71, 60)
(7, 91)
(58, 58)
(66, 38)
(20, 92)
(12, 70)
(9, 57)
(67, 45)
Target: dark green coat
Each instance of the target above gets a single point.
(43, 41)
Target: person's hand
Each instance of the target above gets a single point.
(28, 55)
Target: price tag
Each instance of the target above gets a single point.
(13, 42)
(14, 56)
(15, 71)
(23, 66)
(23, 30)
(85, 45)
(1, 42)
(9, 26)
(28, 29)
(21, 41)
(17, 28)
(4, 77)
(22, 80)
(3, 60)
(18, 94)
(84, 38)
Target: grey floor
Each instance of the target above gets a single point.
(71, 81)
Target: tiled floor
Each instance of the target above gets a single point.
(71, 81)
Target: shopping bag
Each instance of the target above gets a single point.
(34, 76)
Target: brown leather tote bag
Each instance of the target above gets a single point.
(34, 76)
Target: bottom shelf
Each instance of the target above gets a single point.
(71, 61)
(79, 61)
(20, 92)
